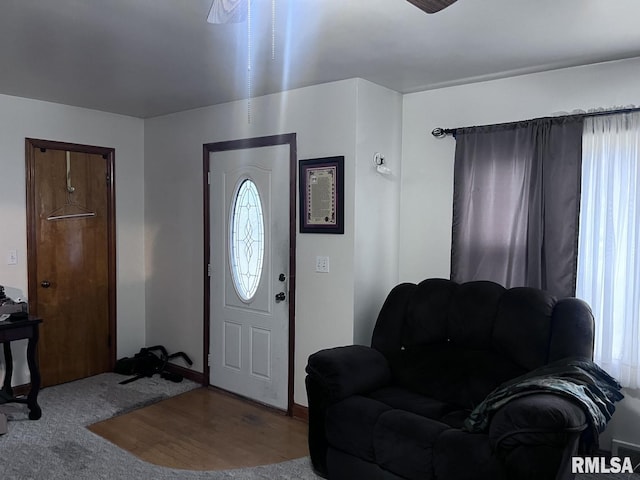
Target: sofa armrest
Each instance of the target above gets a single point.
(535, 419)
(335, 374)
(535, 435)
(350, 370)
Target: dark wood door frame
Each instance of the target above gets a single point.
(108, 154)
(241, 144)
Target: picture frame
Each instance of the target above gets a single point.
(322, 195)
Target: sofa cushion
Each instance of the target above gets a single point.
(522, 329)
(453, 375)
(440, 311)
(456, 418)
(427, 309)
(403, 399)
(472, 313)
(347, 467)
(350, 425)
(465, 456)
(404, 442)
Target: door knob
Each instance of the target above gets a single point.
(45, 284)
(280, 297)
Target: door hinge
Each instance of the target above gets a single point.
(108, 179)
(209, 270)
(209, 360)
(208, 178)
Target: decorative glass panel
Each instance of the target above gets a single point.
(247, 240)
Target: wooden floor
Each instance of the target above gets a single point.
(205, 429)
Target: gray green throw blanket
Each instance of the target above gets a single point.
(578, 379)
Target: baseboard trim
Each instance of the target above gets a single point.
(187, 373)
(300, 412)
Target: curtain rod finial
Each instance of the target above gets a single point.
(439, 132)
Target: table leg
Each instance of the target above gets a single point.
(32, 398)
(8, 369)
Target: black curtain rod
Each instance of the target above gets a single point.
(443, 132)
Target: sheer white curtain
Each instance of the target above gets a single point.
(609, 241)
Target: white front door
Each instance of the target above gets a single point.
(249, 208)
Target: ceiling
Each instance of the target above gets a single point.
(151, 57)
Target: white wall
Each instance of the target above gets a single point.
(21, 118)
(377, 203)
(324, 119)
(427, 170)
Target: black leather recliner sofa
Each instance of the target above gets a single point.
(397, 410)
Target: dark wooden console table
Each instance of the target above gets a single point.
(22, 329)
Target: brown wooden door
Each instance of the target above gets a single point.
(70, 265)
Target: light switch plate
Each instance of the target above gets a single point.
(322, 264)
(12, 257)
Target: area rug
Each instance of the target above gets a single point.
(58, 446)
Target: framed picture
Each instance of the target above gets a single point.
(322, 195)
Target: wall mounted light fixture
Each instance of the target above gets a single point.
(379, 162)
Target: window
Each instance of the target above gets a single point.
(246, 245)
(609, 241)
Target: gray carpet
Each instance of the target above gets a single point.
(58, 446)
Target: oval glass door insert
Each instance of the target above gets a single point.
(247, 240)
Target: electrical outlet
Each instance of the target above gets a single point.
(322, 264)
(12, 257)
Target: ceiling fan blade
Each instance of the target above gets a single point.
(431, 6)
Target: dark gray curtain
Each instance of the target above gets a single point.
(516, 204)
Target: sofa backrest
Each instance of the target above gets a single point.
(506, 331)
